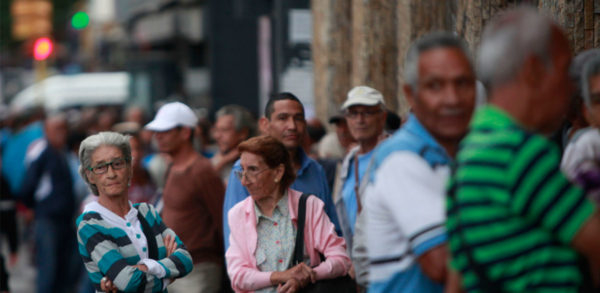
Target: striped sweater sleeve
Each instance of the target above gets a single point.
(177, 264)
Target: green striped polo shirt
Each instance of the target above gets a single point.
(509, 205)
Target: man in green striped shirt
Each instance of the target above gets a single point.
(515, 222)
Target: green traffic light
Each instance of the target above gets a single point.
(80, 20)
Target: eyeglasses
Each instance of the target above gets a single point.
(367, 114)
(117, 164)
(249, 174)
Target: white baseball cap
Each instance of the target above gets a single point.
(363, 95)
(172, 115)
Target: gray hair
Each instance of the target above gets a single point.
(242, 118)
(590, 70)
(509, 40)
(93, 142)
(577, 64)
(430, 41)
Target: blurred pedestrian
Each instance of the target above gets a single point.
(8, 231)
(234, 124)
(335, 145)
(365, 114)
(284, 120)
(515, 223)
(124, 247)
(192, 198)
(48, 189)
(260, 257)
(581, 158)
(404, 203)
(141, 187)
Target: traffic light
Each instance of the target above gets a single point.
(80, 20)
(42, 48)
(31, 18)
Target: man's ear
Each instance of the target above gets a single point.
(185, 132)
(409, 95)
(263, 125)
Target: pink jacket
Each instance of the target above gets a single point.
(319, 236)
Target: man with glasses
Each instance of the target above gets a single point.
(192, 198)
(365, 114)
(284, 120)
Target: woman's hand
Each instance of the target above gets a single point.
(107, 286)
(301, 272)
(170, 244)
(291, 286)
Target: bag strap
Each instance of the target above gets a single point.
(299, 246)
(150, 238)
(357, 184)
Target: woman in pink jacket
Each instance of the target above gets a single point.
(263, 227)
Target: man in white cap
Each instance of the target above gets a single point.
(365, 115)
(192, 198)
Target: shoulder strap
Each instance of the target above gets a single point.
(299, 247)
(150, 238)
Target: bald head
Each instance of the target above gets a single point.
(56, 130)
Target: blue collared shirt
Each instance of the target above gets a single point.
(310, 178)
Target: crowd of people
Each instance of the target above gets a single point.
(463, 196)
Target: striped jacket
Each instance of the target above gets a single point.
(107, 251)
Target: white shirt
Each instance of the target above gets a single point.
(133, 228)
(405, 207)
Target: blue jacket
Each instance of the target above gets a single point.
(48, 185)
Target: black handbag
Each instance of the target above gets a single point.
(339, 284)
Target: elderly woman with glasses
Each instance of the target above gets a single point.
(124, 247)
(263, 227)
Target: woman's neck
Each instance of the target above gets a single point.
(267, 204)
(118, 205)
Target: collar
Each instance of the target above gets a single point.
(292, 204)
(281, 206)
(106, 213)
(492, 116)
(349, 159)
(304, 161)
(414, 126)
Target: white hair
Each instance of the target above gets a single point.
(428, 42)
(507, 42)
(92, 142)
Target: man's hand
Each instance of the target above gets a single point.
(301, 272)
(433, 263)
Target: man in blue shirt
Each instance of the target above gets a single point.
(284, 120)
(365, 114)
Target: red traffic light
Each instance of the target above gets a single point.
(42, 48)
